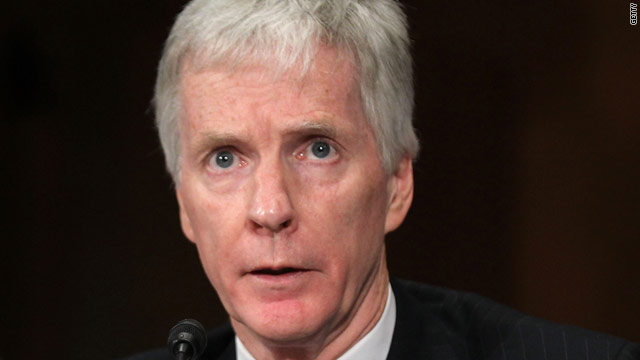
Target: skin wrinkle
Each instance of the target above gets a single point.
(328, 70)
(337, 210)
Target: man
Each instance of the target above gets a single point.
(286, 126)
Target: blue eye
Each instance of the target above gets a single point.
(224, 159)
(320, 149)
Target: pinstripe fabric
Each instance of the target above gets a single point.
(437, 323)
(433, 323)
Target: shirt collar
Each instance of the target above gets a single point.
(375, 345)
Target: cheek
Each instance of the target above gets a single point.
(215, 221)
(361, 202)
(348, 215)
(209, 219)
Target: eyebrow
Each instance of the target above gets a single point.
(212, 140)
(209, 140)
(321, 128)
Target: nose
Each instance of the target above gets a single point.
(271, 207)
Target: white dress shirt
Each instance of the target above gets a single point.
(373, 346)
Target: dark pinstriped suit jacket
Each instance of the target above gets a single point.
(439, 324)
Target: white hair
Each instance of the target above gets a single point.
(372, 33)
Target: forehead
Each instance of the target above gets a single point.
(227, 96)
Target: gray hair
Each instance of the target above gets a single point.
(372, 33)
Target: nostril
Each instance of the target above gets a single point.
(285, 224)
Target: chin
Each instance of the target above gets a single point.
(287, 322)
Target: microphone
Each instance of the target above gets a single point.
(187, 340)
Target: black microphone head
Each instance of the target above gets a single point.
(187, 339)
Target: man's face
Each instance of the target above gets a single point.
(283, 193)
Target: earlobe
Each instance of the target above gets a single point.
(187, 229)
(400, 194)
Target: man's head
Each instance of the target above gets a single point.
(291, 161)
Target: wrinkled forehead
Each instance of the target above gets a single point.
(328, 86)
(228, 100)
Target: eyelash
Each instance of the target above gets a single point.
(238, 161)
(298, 154)
(301, 155)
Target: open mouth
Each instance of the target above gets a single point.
(274, 272)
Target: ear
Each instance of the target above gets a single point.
(187, 229)
(400, 187)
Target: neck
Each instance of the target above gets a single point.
(354, 325)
